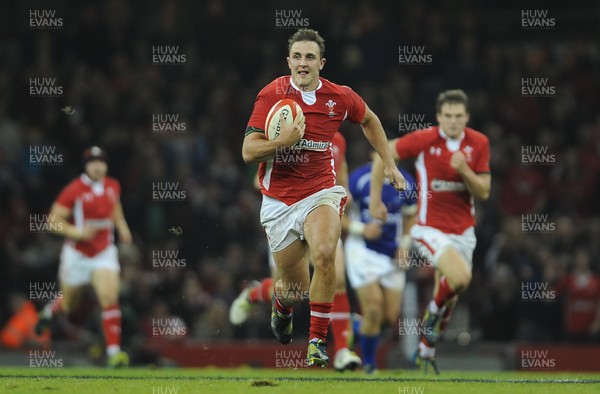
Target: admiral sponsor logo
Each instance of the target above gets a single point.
(439, 185)
(319, 146)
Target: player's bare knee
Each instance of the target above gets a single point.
(373, 314)
(460, 280)
(323, 256)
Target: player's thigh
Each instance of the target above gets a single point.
(454, 266)
(106, 276)
(71, 296)
(106, 285)
(322, 229)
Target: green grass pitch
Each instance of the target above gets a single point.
(249, 381)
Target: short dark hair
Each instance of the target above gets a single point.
(308, 35)
(454, 96)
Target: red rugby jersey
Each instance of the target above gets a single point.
(297, 173)
(444, 201)
(92, 204)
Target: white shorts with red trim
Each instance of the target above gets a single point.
(76, 269)
(432, 243)
(285, 223)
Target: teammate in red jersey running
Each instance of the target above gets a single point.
(85, 213)
(260, 292)
(302, 205)
(452, 168)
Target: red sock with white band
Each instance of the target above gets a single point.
(111, 326)
(320, 313)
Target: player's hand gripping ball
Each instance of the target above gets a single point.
(290, 110)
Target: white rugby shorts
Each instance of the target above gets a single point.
(285, 223)
(432, 243)
(365, 266)
(76, 269)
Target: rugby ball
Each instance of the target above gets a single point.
(290, 110)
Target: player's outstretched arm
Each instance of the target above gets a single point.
(58, 219)
(257, 148)
(373, 130)
(376, 206)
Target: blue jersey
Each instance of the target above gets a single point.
(360, 184)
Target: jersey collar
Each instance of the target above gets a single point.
(301, 91)
(444, 136)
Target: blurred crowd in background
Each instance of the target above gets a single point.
(102, 57)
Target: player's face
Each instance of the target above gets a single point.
(453, 118)
(96, 169)
(305, 63)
